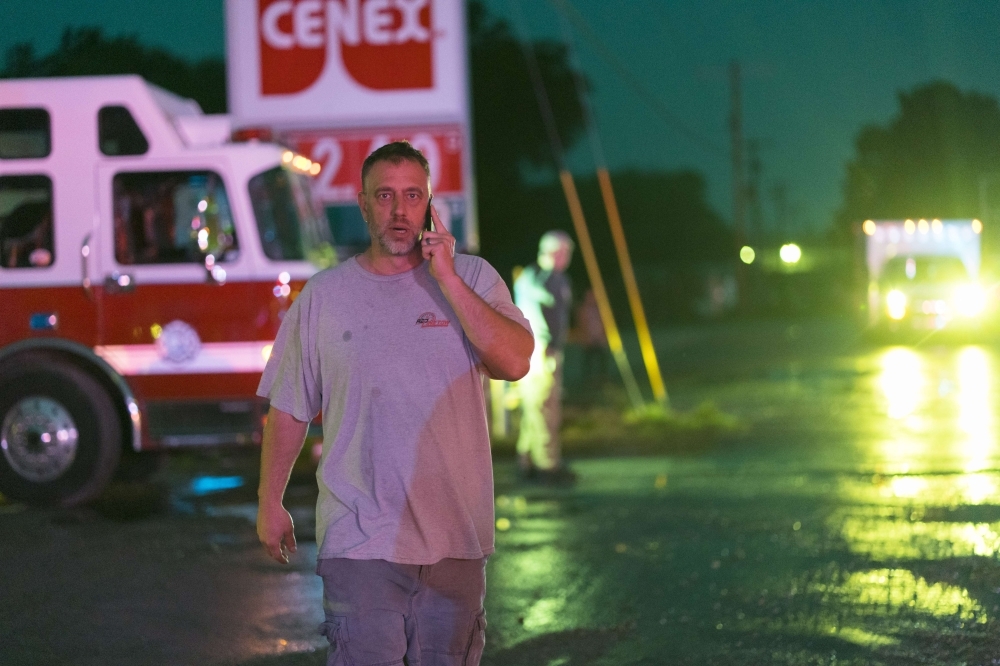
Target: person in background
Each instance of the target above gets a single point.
(542, 292)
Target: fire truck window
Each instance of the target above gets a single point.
(26, 222)
(24, 133)
(171, 217)
(118, 132)
(276, 205)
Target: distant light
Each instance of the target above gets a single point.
(895, 302)
(869, 227)
(219, 274)
(747, 255)
(265, 352)
(284, 277)
(922, 225)
(503, 524)
(790, 253)
(203, 205)
(977, 226)
(909, 226)
(315, 168)
(936, 226)
(287, 156)
(155, 330)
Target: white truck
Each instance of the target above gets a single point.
(145, 264)
(924, 274)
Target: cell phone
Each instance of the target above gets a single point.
(428, 219)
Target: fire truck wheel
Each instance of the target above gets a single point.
(60, 438)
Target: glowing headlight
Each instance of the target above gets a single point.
(970, 300)
(895, 303)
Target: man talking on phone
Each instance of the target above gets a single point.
(390, 346)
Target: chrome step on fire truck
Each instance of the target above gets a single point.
(145, 264)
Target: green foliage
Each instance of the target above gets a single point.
(653, 420)
(610, 428)
(510, 135)
(506, 117)
(926, 162)
(87, 52)
(666, 215)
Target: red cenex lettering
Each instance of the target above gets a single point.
(384, 44)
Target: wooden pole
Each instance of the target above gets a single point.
(576, 213)
(632, 289)
(614, 219)
(600, 294)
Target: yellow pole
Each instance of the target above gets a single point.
(634, 301)
(601, 295)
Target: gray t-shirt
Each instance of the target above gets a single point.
(406, 473)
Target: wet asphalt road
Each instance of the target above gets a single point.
(854, 520)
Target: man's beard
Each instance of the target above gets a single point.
(396, 248)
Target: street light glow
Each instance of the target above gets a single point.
(747, 254)
(790, 253)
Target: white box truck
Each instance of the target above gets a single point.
(924, 274)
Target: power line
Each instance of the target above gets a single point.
(566, 8)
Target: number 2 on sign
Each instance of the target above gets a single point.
(328, 152)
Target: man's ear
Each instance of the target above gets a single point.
(363, 205)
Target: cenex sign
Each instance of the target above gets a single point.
(347, 62)
(335, 79)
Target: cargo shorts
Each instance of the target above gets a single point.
(379, 613)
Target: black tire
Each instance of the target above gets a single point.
(37, 391)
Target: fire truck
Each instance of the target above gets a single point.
(145, 265)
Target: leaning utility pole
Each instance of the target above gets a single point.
(576, 214)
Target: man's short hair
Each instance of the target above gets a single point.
(394, 153)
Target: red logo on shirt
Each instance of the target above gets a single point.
(430, 320)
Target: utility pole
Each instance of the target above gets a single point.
(752, 203)
(736, 140)
(739, 189)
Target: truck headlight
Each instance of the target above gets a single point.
(970, 300)
(895, 303)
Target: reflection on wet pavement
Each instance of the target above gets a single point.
(856, 520)
(857, 523)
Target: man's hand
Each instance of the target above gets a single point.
(276, 531)
(283, 438)
(438, 247)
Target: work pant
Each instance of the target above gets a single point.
(540, 390)
(379, 612)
